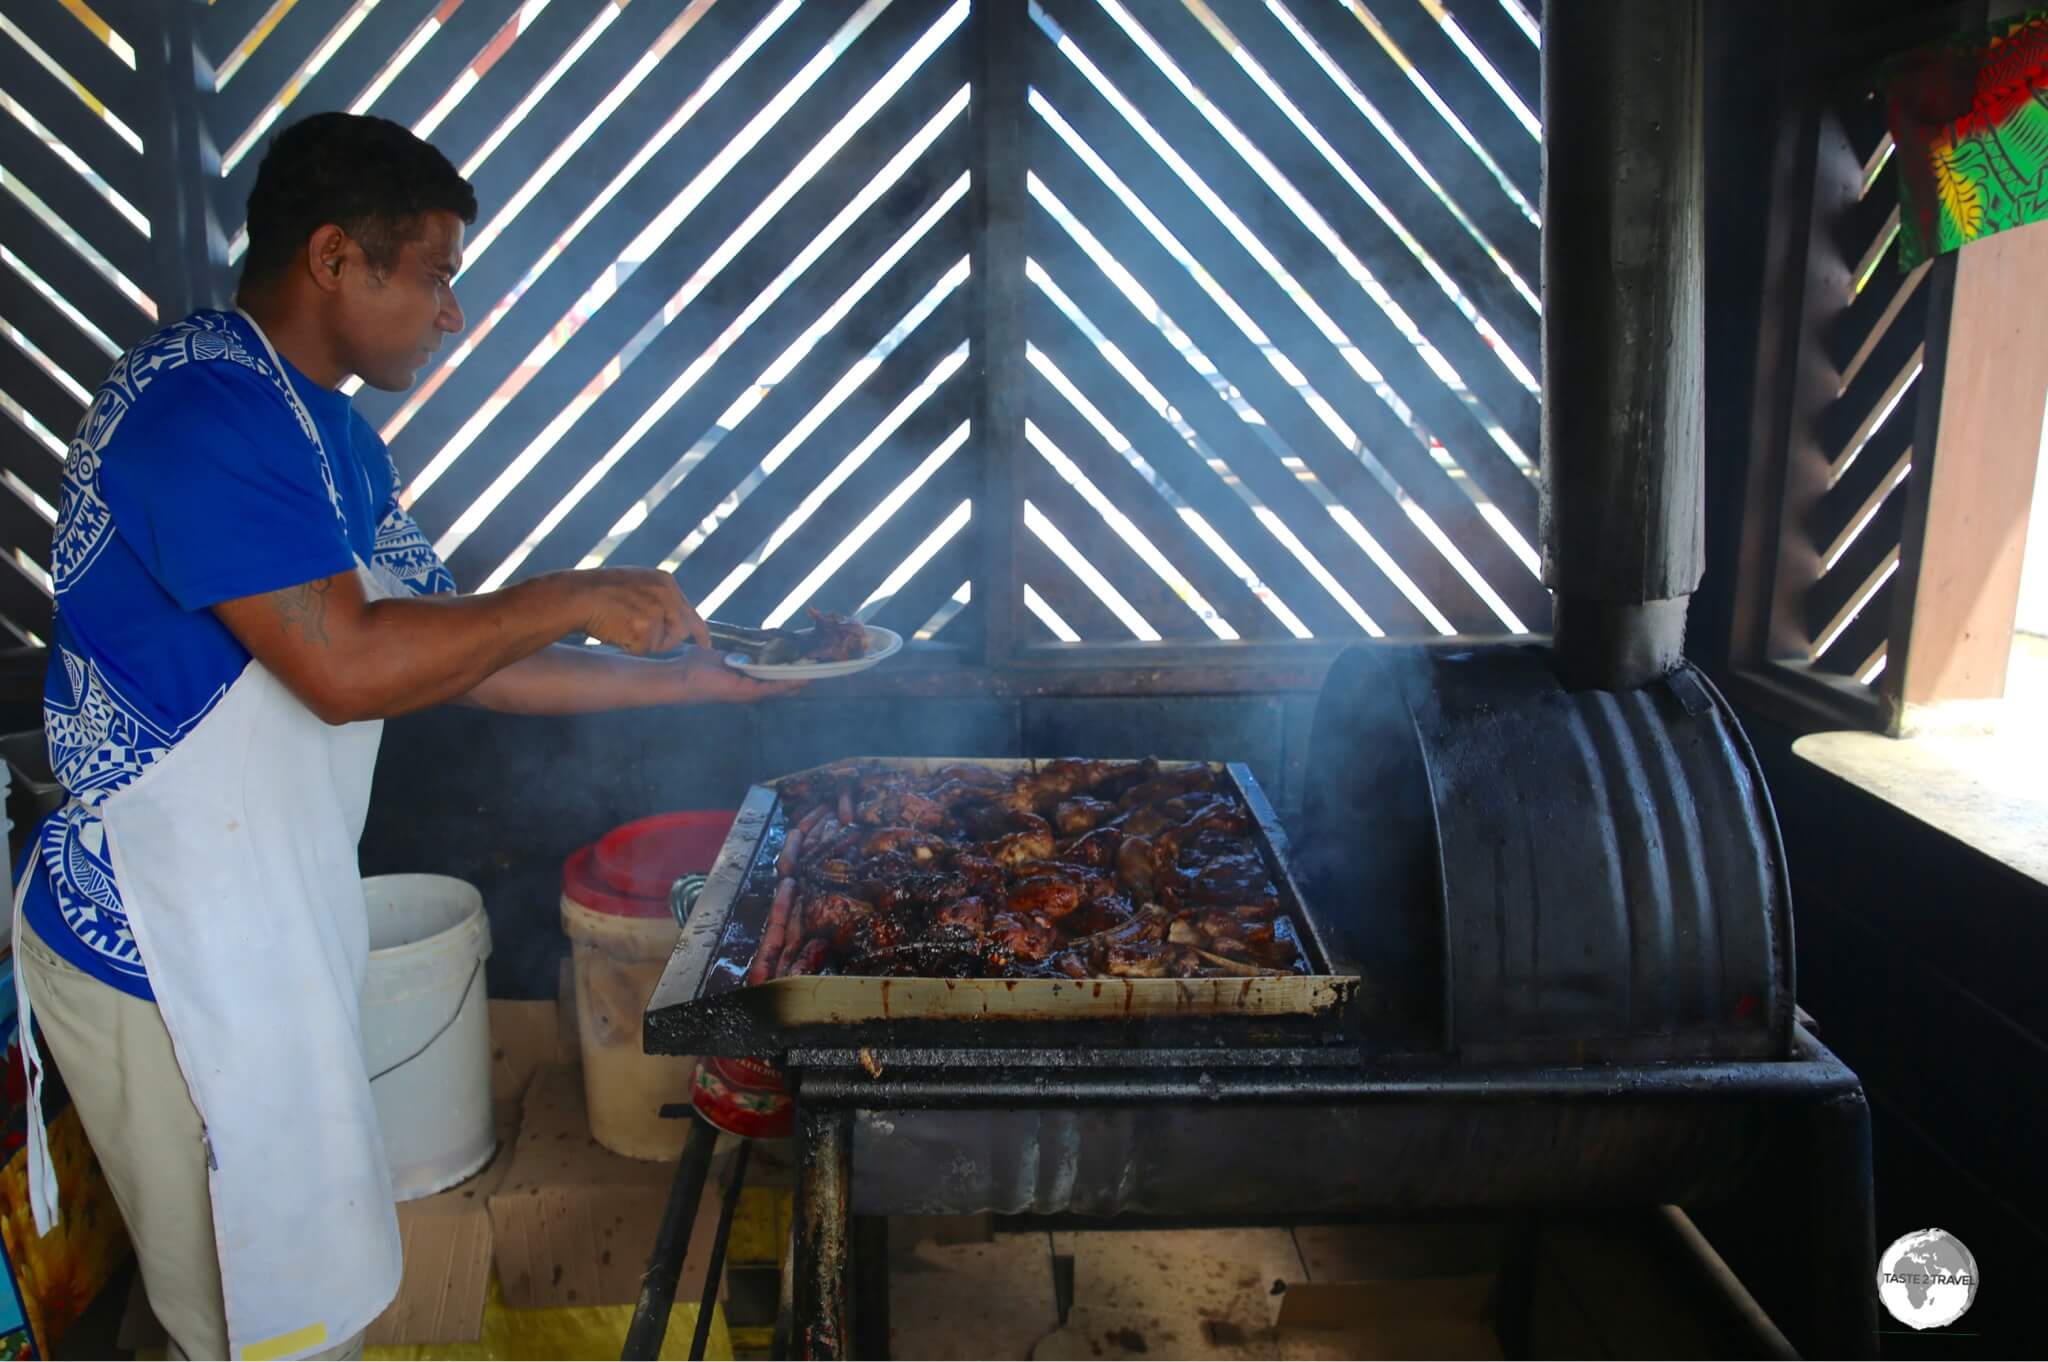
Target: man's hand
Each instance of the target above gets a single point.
(641, 610)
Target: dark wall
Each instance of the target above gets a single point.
(502, 800)
(1919, 958)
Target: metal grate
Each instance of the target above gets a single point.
(730, 300)
(1874, 326)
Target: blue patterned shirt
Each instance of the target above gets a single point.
(191, 481)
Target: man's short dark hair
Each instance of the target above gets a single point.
(368, 176)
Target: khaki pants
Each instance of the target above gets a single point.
(116, 1060)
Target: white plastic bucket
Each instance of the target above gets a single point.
(426, 1029)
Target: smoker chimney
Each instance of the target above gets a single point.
(1623, 334)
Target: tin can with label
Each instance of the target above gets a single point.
(746, 1097)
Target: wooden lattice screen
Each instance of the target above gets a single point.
(1873, 327)
(1006, 321)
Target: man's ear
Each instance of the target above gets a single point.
(327, 255)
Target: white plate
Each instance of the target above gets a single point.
(882, 643)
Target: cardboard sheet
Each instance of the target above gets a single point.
(572, 1222)
(447, 1236)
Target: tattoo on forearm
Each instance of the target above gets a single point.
(306, 607)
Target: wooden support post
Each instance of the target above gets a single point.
(1966, 517)
(1001, 206)
(189, 272)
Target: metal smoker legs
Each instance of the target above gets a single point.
(822, 1233)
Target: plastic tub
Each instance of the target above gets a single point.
(426, 1029)
(615, 908)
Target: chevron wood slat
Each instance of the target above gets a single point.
(762, 260)
(628, 396)
(1465, 178)
(1423, 41)
(1396, 265)
(1506, 47)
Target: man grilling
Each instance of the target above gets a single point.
(241, 600)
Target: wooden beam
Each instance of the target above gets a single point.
(1966, 522)
(935, 670)
(1001, 205)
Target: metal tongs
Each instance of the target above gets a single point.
(767, 647)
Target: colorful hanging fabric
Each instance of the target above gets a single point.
(1969, 116)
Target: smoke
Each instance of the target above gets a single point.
(1367, 853)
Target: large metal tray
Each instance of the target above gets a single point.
(703, 1006)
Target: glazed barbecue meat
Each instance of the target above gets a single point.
(1075, 816)
(834, 638)
(1013, 938)
(1076, 869)
(1045, 897)
(1097, 848)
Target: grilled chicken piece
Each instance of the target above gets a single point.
(1147, 821)
(1032, 841)
(964, 917)
(1097, 848)
(831, 638)
(1215, 828)
(1175, 811)
(1065, 778)
(877, 933)
(1013, 938)
(987, 820)
(1045, 896)
(1076, 816)
(1225, 879)
(832, 871)
(951, 794)
(832, 841)
(1166, 786)
(1134, 867)
(1268, 946)
(1228, 947)
(979, 871)
(833, 916)
(1098, 915)
(818, 787)
(1208, 813)
(918, 889)
(907, 808)
(923, 846)
(980, 777)
(1093, 883)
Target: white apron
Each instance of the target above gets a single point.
(236, 858)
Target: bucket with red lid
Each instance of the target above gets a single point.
(616, 911)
